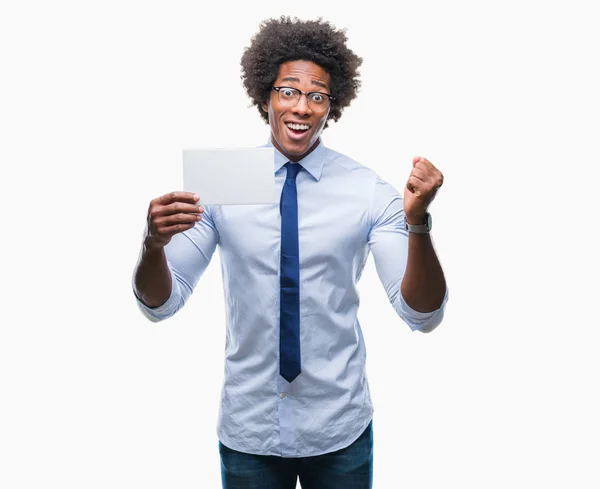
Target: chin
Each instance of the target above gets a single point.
(297, 151)
(300, 149)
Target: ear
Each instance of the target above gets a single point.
(265, 106)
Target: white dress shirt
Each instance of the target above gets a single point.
(345, 211)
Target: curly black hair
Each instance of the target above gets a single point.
(289, 39)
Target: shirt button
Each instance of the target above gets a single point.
(282, 395)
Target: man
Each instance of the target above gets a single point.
(295, 400)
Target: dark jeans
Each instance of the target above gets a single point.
(348, 468)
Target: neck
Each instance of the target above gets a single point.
(295, 158)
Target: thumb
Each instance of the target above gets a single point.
(416, 159)
(412, 189)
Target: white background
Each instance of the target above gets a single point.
(97, 100)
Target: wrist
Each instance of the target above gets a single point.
(417, 219)
(152, 248)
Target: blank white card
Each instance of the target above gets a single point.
(230, 175)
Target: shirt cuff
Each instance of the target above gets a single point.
(419, 321)
(164, 311)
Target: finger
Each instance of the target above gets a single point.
(427, 165)
(422, 160)
(422, 188)
(174, 219)
(169, 231)
(414, 185)
(433, 174)
(419, 173)
(171, 197)
(424, 163)
(157, 211)
(181, 207)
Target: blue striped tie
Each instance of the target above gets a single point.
(289, 331)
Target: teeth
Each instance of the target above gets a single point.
(298, 127)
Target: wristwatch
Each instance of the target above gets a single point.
(419, 228)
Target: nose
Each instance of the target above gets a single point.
(302, 106)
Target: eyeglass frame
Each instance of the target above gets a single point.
(331, 97)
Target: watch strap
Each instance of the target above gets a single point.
(419, 228)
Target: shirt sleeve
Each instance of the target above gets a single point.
(388, 241)
(188, 255)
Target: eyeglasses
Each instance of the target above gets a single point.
(289, 97)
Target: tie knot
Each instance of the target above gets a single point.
(292, 170)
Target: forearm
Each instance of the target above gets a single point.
(423, 285)
(152, 278)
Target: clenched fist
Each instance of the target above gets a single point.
(421, 187)
(170, 214)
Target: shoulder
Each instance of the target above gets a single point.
(341, 162)
(361, 172)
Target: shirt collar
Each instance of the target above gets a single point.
(313, 163)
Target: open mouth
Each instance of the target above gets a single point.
(297, 128)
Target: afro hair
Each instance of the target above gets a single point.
(289, 39)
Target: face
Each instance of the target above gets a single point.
(295, 144)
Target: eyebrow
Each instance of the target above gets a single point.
(297, 80)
